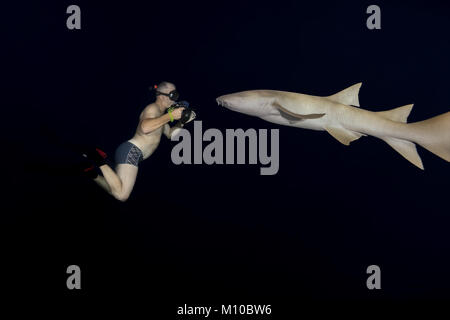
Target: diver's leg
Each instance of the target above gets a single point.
(119, 184)
(101, 181)
(127, 174)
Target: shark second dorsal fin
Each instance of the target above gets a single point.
(285, 112)
(347, 96)
(399, 114)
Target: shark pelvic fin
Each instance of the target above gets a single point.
(343, 135)
(347, 96)
(399, 114)
(296, 115)
(407, 149)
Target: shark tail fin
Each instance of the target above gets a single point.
(434, 135)
(347, 96)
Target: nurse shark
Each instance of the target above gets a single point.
(340, 115)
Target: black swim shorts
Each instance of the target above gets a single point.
(128, 153)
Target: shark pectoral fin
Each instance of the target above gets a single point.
(296, 115)
(348, 96)
(343, 135)
(407, 149)
(288, 117)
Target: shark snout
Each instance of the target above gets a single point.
(221, 101)
(229, 100)
(247, 102)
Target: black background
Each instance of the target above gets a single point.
(221, 234)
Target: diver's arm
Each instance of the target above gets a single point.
(151, 121)
(150, 124)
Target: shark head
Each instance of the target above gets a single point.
(286, 108)
(257, 103)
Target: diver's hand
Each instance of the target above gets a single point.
(176, 114)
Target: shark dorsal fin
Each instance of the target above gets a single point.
(348, 96)
(294, 115)
(399, 114)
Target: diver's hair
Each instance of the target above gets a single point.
(165, 85)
